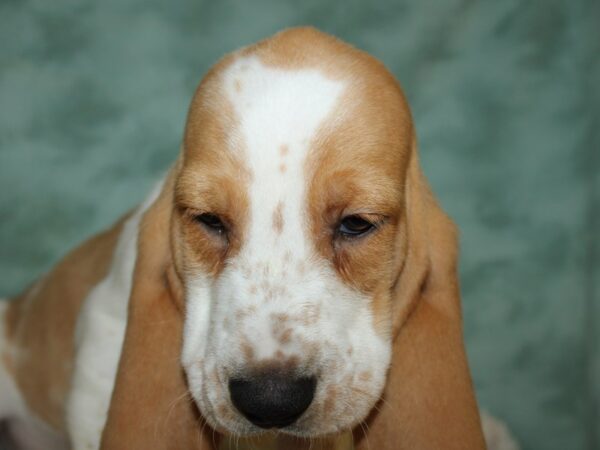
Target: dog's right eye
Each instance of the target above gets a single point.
(212, 222)
(354, 226)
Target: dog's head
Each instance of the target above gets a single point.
(289, 234)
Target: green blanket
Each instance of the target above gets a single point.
(505, 95)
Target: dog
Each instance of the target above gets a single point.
(290, 283)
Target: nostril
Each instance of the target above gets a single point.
(272, 400)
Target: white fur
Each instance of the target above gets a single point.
(497, 434)
(280, 273)
(99, 337)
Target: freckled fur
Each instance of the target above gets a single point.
(278, 218)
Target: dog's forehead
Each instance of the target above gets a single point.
(303, 88)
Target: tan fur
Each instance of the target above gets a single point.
(150, 407)
(408, 267)
(41, 324)
(278, 218)
(428, 401)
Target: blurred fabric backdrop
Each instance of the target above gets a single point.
(93, 97)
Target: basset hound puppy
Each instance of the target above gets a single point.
(290, 283)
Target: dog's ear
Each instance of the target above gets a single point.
(151, 407)
(428, 402)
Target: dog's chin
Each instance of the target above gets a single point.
(251, 431)
(283, 438)
(243, 429)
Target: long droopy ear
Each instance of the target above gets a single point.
(428, 402)
(150, 406)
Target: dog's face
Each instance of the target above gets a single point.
(288, 235)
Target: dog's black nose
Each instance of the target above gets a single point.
(272, 399)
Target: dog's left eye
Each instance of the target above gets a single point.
(354, 226)
(212, 222)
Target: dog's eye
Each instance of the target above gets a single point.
(354, 226)
(212, 222)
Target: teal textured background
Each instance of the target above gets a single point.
(93, 97)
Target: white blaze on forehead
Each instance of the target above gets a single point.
(279, 113)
